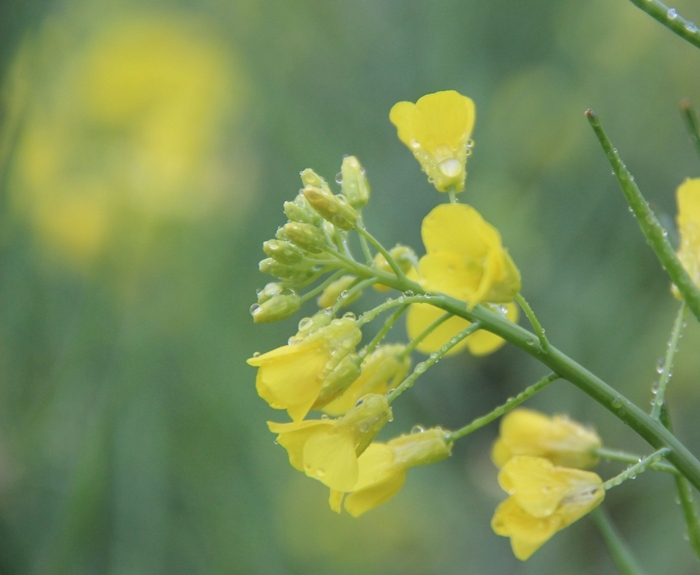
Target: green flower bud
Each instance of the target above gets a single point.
(269, 291)
(421, 447)
(276, 308)
(403, 255)
(354, 183)
(331, 294)
(346, 372)
(292, 274)
(309, 325)
(306, 236)
(334, 209)
(283, 252)
(300, 211)
(311, 179)
(368, 417)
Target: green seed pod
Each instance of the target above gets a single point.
(276, 308)
(331, 294)
(334, 209)
(354, 183)
(283, 252)
(305, 236)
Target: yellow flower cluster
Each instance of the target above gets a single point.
(539, 458)
(688, 197)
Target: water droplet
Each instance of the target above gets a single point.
(420, 367)
(256, 354)
(417, 429)
(276, 442)
(349, 315)
(339, 178)
(414, 144)
(408, 293)
(690, 27)
(660, 366)
(343, 294)
(530, 342)
(433, 355)
(401, 299)
(451, 168)
(470, 144)
(324, 416)
(305, 323)
(427, 295)
(672, 14)
(617, 402)
(254, 308)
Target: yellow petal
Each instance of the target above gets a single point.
(455, 228)
(450, 273)
(293, 437)
(688, 196)
(330, 458)
(363, 500)
(501, 453)
(335, 500)
(375, 465)
(527, 533)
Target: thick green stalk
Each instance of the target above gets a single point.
(619, 551)
(639, 421)
(671, 19)
(654, 232)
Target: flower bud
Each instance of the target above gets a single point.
(306, 236)
(290, 273)
(300, 211)
(311, 179)
(334, 209)
(283, 252)
(345, 373)
(309, 325)
(404, 256)
(354, 183)
(269, 291)
(422, 447)
(367, 418)
(331, 294)
(276, 308)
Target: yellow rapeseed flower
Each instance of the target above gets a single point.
(291, 377)
(688, 196)
(482, 342)
(383, 469)
(327, 449)
(437, 129)
(382, 370)
(465, 257)
(558, 438)
(543, 499)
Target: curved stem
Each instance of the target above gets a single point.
(388, 324)
(620, 553)
(627, 457)
(358, 287)
(634, 470)
(539, 330)
(480, 422)
(668, 362)
(387, 256)
(363, 241)
(425, 333)
(671, 19)
(322, 286)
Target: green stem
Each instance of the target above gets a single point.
(685, 496)
(425, 333)
(634, 470)
(387, 256)
(453, 196)
(668, 362)
(322, 286)
(539, 330)
(423, 366)
(627, 457)
(691, 122)
(655, 234)
(671, 19)
(363, 241)
(480, 422)
(369, 315)
(627, 412)
(358, 287)
(388, 324)
(619, 551)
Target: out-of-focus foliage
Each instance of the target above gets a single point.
(146, 151)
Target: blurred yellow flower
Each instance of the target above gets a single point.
(465, 257)
(437, 129)
(688, 197)
(543, 499)
(327, 449)
(482, 342)
(123, 126)
(558, 438)
(291, 377)
(381, 371)
(383, 468)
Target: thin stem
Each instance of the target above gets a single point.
(453, 196)
(358, 287)
(671, 19)
(539, 330)
(322, 286)
(369, 315)
(634, 470)
(363, 241)
(425, 333)
(422, 367)
(627, 457)
(691, 122)
(387, 256)
(388, 324)
(480, 422)
(685, 496)
(619, 551)
(668, 361)
(655, 234)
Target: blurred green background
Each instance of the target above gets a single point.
(146, 150)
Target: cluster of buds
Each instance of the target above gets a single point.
(317, 222)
